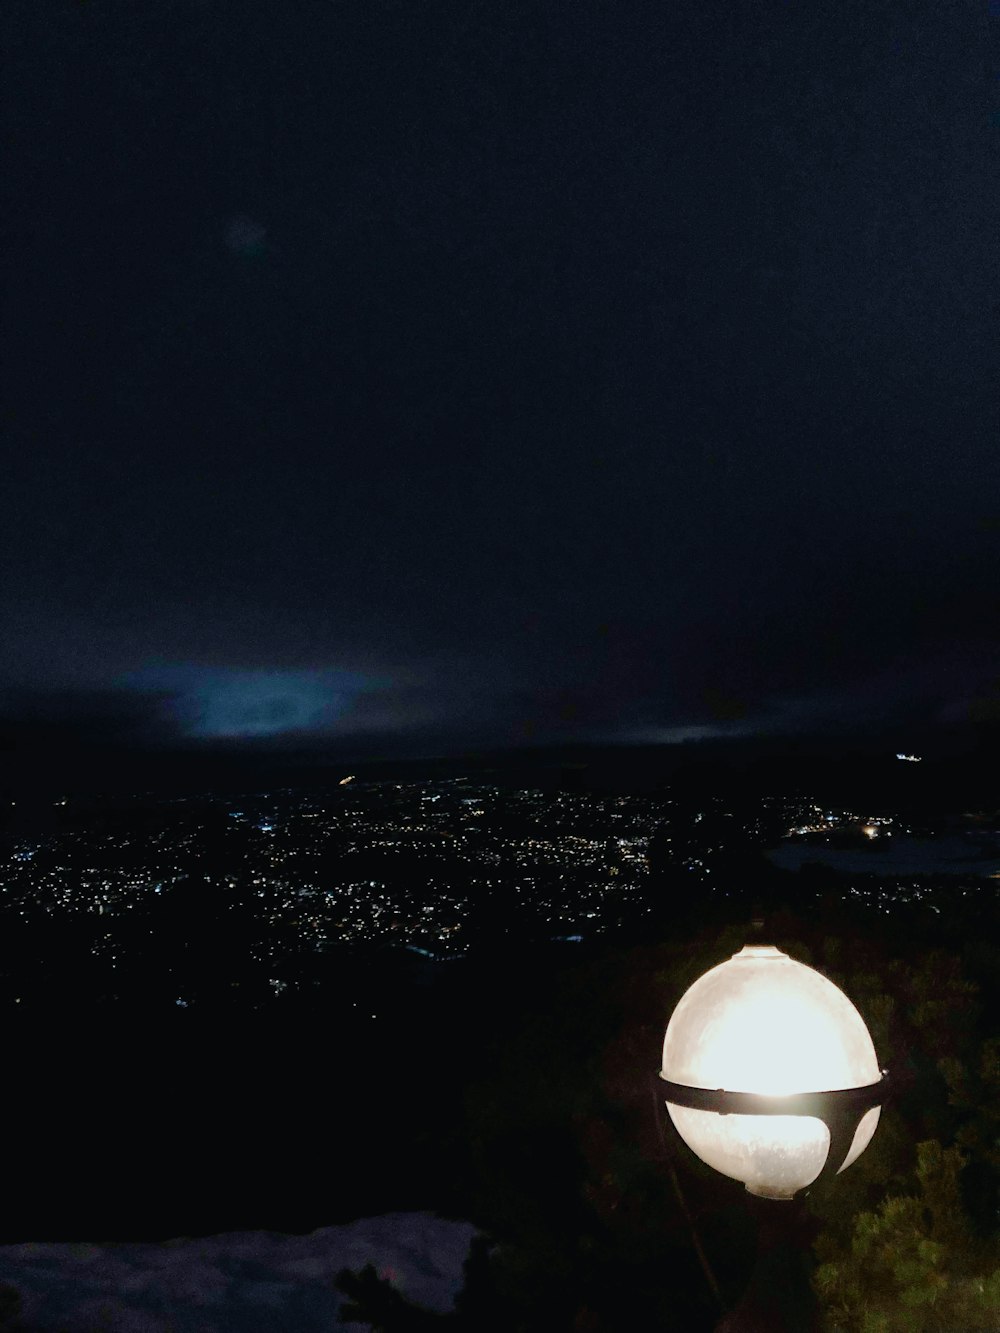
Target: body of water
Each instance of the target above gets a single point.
(898, 854)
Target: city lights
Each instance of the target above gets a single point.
(416, 865)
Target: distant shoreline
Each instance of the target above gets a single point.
(899, 854)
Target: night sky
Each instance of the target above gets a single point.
(482, 374)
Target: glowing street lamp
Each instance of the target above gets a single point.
(769, 1073)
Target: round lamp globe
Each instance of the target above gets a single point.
(765, 1024)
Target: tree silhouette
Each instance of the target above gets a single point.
(10, 1308)
(375, 1301)
(914, 1265)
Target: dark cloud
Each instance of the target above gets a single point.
(245, 236)
(631, 371)
(80, 718)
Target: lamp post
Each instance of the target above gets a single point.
(770, 1076)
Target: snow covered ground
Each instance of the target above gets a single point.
(238, 1282)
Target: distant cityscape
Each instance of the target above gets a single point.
(439, 868)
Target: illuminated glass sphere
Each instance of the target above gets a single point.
(763, 1023)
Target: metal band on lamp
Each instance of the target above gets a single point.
(840, 1110)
